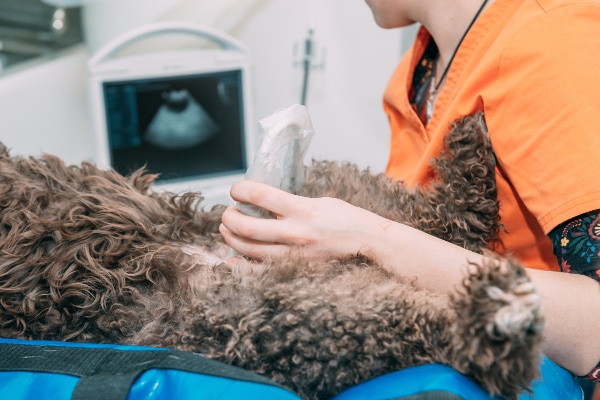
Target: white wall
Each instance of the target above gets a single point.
(344, 98)
(44, 107)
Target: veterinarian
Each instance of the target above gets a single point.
(532, 67)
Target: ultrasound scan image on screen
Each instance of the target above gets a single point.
(184, 127)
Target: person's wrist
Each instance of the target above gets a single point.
(375, 240)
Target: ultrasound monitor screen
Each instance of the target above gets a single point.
(183, 127)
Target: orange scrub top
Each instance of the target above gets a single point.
(533, 67)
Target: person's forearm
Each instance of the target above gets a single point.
(438, 265)
(572, 323)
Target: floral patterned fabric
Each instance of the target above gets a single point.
(422, 79)
(577, 248)
(577, 245)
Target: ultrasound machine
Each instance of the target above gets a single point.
(183, 113)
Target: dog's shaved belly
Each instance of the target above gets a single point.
(216, 254)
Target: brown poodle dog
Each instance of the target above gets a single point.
(88, 255)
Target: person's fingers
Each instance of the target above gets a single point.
(256, 229)
(254, 249)
(262, 195)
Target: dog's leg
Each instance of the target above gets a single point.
(460, 206)
(498, 335)
(465, 187)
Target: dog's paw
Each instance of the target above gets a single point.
(499, 328)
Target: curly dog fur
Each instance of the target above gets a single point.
(88, 255)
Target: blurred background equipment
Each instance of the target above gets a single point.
(31, 28)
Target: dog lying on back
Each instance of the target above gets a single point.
(88, 255)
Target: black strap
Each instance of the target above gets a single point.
(108, 373)
(433, 395)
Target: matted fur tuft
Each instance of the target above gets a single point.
(91, 256)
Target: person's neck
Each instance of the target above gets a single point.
(447, 25)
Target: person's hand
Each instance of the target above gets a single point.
(319, 228)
